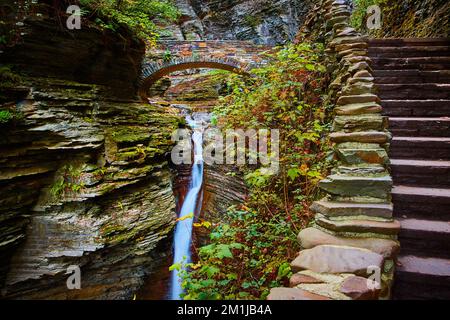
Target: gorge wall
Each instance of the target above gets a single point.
(411, 18)
(84, 174)
(261, 21)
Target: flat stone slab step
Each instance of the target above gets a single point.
(421, 278)
(421, 172)
(420, 126)
(424, 194)
(425, 236)
(338, 209)
(421, 203)
(421, 91)
(293, 294)
(359, 226)
(434, 148)
(312, 237)
(354, 186)
(337, 259)
(421, 63)
(408, 42)
(424, 269)
(409, 51)
(411, 76)
(416, 108)
(425, 229)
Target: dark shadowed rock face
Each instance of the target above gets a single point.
(89, 55)
(262, 21)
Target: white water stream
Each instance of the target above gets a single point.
(183, 230)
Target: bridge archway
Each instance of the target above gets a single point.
(152, 72)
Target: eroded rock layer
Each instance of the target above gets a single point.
(261, 21)
(84, 173)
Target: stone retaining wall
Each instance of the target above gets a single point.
(353, 238)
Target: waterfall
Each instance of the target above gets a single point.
(183, 229)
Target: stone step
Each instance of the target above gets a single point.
(312, 237)
(422, 278)
(421, 63)
(286, 294)
(425, 236)
(409, 51)
(359, 226)
(426, 173)
(421, 203)
(357, 186)
(420, 127)
(408, 42)
(433, 148)
(420, 91)
(339, 209)
(337, 259)
(411, 76)
(416, 108)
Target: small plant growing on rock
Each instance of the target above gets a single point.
(68, 181)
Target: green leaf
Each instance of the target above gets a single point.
(283, 270)
(223, 251)
(293, 173)
(175, 266)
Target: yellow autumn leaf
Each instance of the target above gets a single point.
(205, 224)
(188, 216)
(196, 266)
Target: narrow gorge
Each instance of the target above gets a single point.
(99, 202)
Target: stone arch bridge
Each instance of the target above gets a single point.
(171, 56)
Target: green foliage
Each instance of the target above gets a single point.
(405, 18)
(143, 17)
(68, 181)
(250, 253)
(359, 13)
(5, 116)
(252, 21)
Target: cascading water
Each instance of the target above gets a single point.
(183, 230)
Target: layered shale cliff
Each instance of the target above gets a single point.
(84, 174)
(261, 21)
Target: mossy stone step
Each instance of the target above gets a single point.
(354, 186)
(338, 209)
(363, 137)
(359, 225)
(358, 153)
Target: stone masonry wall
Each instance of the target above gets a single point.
(353, 236)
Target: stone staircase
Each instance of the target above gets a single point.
(349, 250)
(413, 80)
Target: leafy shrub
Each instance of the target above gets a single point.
(5, 116)
(141, 16)
(250, 253)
